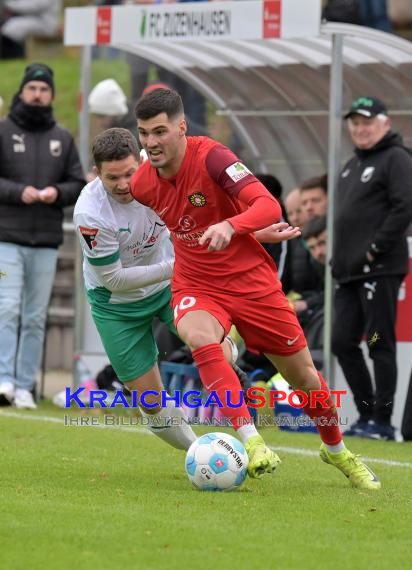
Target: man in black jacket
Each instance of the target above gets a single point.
(370, 260)
(40, 173)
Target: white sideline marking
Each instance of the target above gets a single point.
(53, 420)
(292, 450)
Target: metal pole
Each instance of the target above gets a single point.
(334, 148)
(80, 304)
(85, 72)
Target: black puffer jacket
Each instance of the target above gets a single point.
(36, 157)
(302, 275)
(373, 209)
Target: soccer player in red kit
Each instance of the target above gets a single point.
(212, 205)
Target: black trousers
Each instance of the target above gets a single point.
(368, 308)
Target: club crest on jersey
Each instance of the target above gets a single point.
(237, 171)
(89, 236)
(197, 199)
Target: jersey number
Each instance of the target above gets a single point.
(185, 303)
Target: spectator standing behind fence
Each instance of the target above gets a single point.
(108, 102)
(23, 18)
(370, 260)
(40, 173)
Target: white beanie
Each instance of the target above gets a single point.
(107, 98)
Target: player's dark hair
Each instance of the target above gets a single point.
(114, 144)
(314, 227)
(316, 182)
(159, 101)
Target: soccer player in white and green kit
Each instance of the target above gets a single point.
(127, 265)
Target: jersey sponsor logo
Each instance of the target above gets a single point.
(151, 240)
(187, 223)
(197, 199)
(237, 171)
(367, 173)
(55, 147)
(18, 145)
(89, 236)
(157, 230)
(345, 173)
(190, 240)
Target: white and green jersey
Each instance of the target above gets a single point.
(126, 247)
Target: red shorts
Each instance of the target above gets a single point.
(267, 324)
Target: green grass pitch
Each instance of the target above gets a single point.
(81, 498)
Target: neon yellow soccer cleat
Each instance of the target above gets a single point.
(359, 474)
(261, 458)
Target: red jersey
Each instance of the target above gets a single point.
(205, 192)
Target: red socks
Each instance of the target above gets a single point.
(217, 374)
(329, 432)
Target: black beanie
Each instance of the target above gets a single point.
(37, 72)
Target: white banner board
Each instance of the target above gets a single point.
(246, 20)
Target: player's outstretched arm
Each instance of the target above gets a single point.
(262, 210)
(117, 278)
(277, 233)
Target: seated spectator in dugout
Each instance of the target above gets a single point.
(314, 196)
(294, 210)
(315, 234)
(277, 251)
(301, 280)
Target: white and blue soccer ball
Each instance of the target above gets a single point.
(217, 462)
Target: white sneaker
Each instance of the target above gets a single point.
(24, 399)
(7, 390)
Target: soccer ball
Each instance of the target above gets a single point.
(217, 462)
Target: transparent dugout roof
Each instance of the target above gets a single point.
(276, 92)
